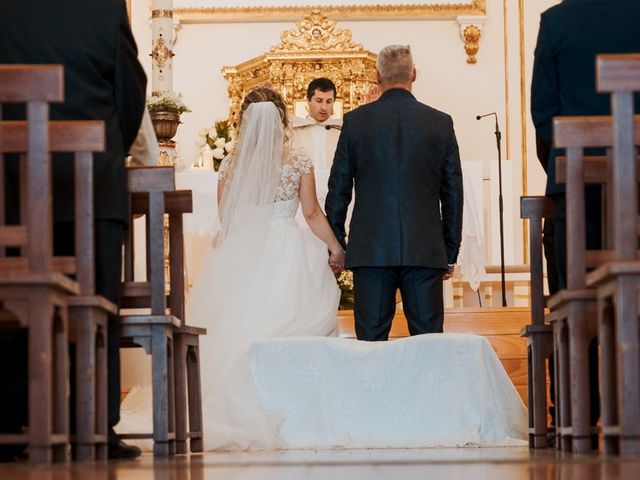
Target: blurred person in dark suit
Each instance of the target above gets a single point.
(571, 35)
(103, 80)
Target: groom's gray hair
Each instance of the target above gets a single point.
(395, 64)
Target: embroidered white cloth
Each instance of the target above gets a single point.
(424, 391)
(472, 258)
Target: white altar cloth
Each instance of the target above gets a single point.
(424, 391)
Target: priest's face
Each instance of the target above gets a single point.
(321, 105)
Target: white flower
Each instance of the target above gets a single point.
(203, 132)
(220, 142)
(218, 153)
(229, 145)
(212, 132)
(202, 142)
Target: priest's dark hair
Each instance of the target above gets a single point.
(322, 84)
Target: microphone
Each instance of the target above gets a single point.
(498, 135)
(497, 132)
(329, 127)
(478, 117)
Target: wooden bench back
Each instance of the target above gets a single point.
(619, 75)
(536, 209)
(176, 203)
(575, 134)
(154, 182)
(81, 138)
(36, 86)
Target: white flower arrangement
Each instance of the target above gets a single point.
(346, 279)
(345, 282)
(220, 139)
(167, 101)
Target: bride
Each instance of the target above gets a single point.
(265, 277)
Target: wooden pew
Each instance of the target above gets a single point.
(539, 335)
(163, 332)
(188, 395)
(153, 329)
(36, 298)
(572, 310)
(617, 281)
(87, 311)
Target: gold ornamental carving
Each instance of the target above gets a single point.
(341, 12)
(316, 33)
(471, 35)
(161, 53)
(315, 48)
(162, 13)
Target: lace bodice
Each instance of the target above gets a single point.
(294, 166)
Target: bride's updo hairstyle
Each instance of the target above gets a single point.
(265, 94)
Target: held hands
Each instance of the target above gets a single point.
(449, 273)
(336, 260)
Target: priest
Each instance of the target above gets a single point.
(318, 133)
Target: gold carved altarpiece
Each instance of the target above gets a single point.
(315, 48)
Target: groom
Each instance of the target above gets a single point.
(406, 225)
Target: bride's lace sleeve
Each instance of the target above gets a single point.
(302, 162)
(223, 171)
(296, 165)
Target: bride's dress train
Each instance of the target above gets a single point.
(282, 287)
(265, 280)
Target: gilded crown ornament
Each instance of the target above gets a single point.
(315, 32)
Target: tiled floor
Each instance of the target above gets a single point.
(427, 464)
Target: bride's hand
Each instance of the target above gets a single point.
(336, 260)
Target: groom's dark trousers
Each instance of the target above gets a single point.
(401, 159)
(375, 300)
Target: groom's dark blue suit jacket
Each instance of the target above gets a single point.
(402, 157)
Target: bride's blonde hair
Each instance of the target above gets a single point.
(265, 94)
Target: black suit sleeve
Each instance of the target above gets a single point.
(543, 150)
(340, 186)
(131, 82)
(452, 198)
(545, 98)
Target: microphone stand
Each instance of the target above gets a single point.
(500, 206)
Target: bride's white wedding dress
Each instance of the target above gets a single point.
(252, 289)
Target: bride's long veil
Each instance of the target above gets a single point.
(254, 172)
(222, 298)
